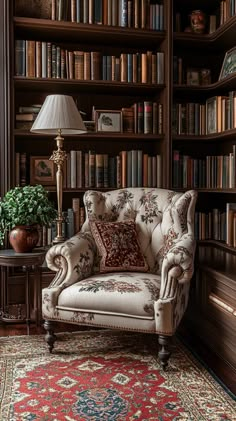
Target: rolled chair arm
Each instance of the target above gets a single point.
(177, 270)
(73, 260)
(178, 265)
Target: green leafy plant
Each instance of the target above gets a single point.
(26, 205)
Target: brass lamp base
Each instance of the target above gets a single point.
(58, 157)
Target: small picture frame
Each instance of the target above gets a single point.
(42, 171)
(211, 115)
(205, 76)
(229, 63)
(193, 77)
(108, 121)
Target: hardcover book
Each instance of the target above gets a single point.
(40, 9)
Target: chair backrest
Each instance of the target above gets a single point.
(162, 216)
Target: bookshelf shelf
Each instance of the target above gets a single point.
(218, 40)
(227, 135)
(90, 33)
(96, 136)
(100, 86)
(218, 244)
(228, 83)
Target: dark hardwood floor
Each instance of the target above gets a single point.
(225, 373)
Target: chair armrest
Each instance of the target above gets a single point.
(178, 265)
(73, 260)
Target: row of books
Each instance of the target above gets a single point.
(189, 118)
(43, 59)
(192, 76)
(216, 172)
(124, 13)
(227, 9)
(132, 168)
(218, 224)
(216, 115)
(73, 219)
(144, 117)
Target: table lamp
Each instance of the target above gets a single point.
(59, 115)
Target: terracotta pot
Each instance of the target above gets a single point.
(23, 238)
(198, 21)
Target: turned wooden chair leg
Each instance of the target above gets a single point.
(164, 353)
(50, 338)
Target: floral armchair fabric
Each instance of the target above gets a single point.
(152, 301)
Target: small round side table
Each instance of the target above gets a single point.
(32, 262)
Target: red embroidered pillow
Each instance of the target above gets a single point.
(118, 246)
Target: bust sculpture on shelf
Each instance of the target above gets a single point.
(22, 209)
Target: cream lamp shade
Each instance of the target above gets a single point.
(59, 112)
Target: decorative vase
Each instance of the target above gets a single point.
(198, 21)
(23, 238)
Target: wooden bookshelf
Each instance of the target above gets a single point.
(209, 51)
(210, 313)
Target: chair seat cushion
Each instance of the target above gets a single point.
(120, 293)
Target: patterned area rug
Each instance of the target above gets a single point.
(105, 376)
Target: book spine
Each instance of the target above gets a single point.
(129, 169)
(70, 223)
(134, 159)
(115, 14)
(124, 67)
(54, 61)
(38, 58)
(91, 11)
(23, 165)
(105, 170)
(123, 155)
(148, 123)
(58, 62)
(85, 11)
(76, 210)
(53, 10)
(140, 117)
(160, 67)
(44, 59)
(123, 13)
(159, 171)
(73, 169)
(91, 168)
(87, 65)
(99, 171)
(145, 170)
(30, 58)
(78, 11)
(20, 57)
(79, 169)
(98, 6)
(139, 168)
(95, 65)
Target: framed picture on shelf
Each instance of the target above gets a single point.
(211, 115)
(108, 121)
(193, 77)
(42, 171)
(229, 63)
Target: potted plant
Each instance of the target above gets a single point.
(22, 210)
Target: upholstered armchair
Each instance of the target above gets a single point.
(128, 268)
